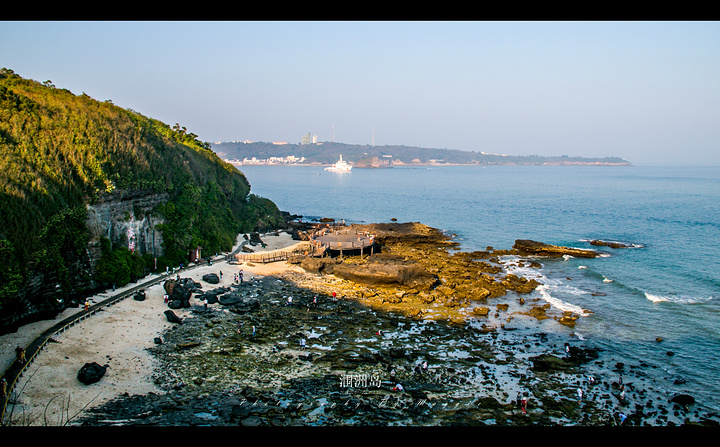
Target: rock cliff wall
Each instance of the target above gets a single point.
(126, 218)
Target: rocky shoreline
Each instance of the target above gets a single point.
(357, 328)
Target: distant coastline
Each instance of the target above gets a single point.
(367, 156)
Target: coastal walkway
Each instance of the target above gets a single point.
(326, 241)
(349, 242)
(16, 370)
(297, 250)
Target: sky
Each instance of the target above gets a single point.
(646, 91)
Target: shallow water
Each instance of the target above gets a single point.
(665, 286)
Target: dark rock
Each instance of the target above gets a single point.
(230, 299)
(608, 244)
(211, 278)
(528, 247)
(580, 355)
(91, 373)
(179, 293)
(171, 317)
(683, 399)
(549, 362)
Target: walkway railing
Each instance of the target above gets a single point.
(16, 370)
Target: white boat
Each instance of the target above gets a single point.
(340, 166)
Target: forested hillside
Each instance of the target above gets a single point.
(60, 152)
(374, 156)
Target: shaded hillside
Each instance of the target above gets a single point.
(62, 154)
(367, 155)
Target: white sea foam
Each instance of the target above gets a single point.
(560, 304)
(655, 298)
(679, 299)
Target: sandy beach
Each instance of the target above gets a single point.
(49, 392)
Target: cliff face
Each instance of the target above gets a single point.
(126, 218)
(74, 171)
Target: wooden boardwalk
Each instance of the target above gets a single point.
(325, 242)
(345, 241)
(299, 249)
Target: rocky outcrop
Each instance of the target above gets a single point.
(380, 271)
(124, 217)
(91, 373)
(411, 232)
(179, 293)
(527, 247)
(211, 278)
(414, 273)
(600, 243)
(127, 218)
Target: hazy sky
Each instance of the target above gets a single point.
(645, 91)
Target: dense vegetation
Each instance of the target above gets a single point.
(60, 151)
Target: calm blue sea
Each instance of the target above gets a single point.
(667, 285)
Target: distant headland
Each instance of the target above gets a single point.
(371, 156)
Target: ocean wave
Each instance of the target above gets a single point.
(560, 304)
(678, 299)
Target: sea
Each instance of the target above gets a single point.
(653, 306)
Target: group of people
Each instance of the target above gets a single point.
(238, 277)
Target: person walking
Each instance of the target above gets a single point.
(205, 302)
(3, 387)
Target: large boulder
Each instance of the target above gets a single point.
(610, 244)
(528, 247)
(549, 362)
(212, 295)
(91, 373)
(317, 265)
(230, 299)
(683, 399)
(582, 355)
(211, 278)
(171, 317)
(388, 273)
(179, 294)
